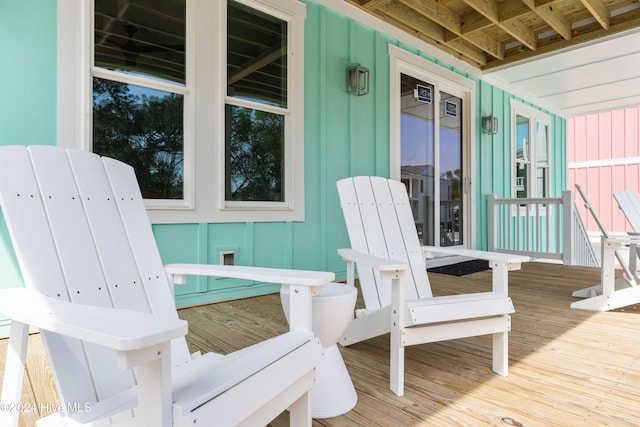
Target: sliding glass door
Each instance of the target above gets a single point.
(431, 160)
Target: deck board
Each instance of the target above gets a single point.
(567, 366)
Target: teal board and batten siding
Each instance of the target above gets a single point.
(344, 136)
(27, 95)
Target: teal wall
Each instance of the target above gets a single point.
(344, 136)
(28, 72)
(27, 94)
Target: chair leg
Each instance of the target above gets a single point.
(300, 411)
(14, 372)
(501, 353)
(154, 390)
(396, 363)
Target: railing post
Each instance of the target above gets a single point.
(568, 232)
(491, 224)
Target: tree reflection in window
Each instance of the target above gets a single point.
(255, 142)
(144, 128)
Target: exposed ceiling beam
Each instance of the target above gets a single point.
(492, 33)
(434, 36)
(518, 30)
(599, 10)
(553, 17)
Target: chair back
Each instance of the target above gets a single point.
(81, 233)
(380, 222)
(629, 203)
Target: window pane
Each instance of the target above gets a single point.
(541, 181)
(256, 56)
(141, 37)
(417, 153)
(451, 200)
(522, 186)
(254, 155)
(542, 138)
(144, 128)
(522, 137)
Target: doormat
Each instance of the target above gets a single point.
(462, 268)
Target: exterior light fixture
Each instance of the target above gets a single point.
(490, 125)
(357, 80)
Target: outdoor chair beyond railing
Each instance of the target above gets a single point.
(394, 283)
(98, 292)
(611, 292)
(629, 204)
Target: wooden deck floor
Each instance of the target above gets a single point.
(567, 367)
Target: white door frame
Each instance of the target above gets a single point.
(404, 62)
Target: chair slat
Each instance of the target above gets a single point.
(143, 246)
(140, 236)
(357, 237)
(412, 244)
(27, 223)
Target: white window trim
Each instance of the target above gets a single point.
(535, 116)
(402, 61)
(204, 97)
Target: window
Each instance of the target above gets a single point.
(256, 105)
(204, 99)
(531, 139)
(138, 91)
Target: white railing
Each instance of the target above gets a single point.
(545, 228)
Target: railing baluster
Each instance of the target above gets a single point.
(523, 226)
(538, 227)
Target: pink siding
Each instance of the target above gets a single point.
(600, 151)
(617, 134)
(631, 134)
(571, 138)
(593, 133)
(605, 150)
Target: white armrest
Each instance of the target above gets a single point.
(120, 330)
(377, 262)
(430, 252)
(631, 239)
(260, 274)
(307, 282)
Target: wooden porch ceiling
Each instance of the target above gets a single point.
(494, 33)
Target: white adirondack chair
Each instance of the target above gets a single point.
(96, 288)
(612, 292)
(394, 283)
(629, 204)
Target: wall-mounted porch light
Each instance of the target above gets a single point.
(357, 80)
(490, 124)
